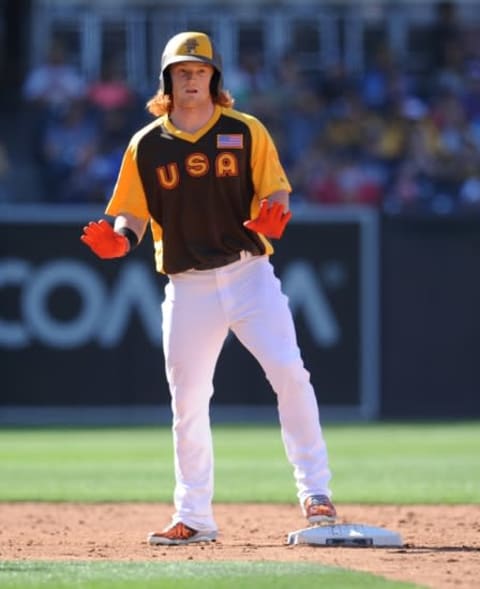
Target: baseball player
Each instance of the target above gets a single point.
(208, 181)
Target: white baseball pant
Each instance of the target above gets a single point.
(199, 309)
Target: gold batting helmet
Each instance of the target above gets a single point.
(190, 46)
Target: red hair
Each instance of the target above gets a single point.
(161, 103)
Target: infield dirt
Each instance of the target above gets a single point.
(442, 542)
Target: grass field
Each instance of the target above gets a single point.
(380, 463)
(147, 575)
(371, 463)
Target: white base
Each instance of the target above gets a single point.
(346, 535)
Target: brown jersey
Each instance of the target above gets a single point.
(198, 189)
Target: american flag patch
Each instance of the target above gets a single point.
(230, 141)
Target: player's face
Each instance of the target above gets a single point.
(191, 83)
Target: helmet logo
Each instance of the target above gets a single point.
(191, 45)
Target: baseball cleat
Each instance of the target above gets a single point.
(319, 510)
(181, 534)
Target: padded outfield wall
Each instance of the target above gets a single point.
(386, 313)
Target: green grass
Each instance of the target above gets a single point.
(371, 463)
(176, 575)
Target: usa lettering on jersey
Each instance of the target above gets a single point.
(196, 166)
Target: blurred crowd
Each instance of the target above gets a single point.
(392, 138)
(78, 130)
(397, 138)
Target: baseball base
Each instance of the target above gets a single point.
(350, 535)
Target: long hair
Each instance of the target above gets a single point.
(162, 103)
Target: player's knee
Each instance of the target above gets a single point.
(288, 376)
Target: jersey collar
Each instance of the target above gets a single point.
(193, 137)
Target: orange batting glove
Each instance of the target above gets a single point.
(104, 241)
(271, 220)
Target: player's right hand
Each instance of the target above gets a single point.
(104, 241)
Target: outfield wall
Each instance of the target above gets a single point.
(430, 334)
(385, 313)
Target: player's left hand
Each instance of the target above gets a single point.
(271, 220)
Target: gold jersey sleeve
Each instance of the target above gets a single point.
(268, 174)
(128, 194)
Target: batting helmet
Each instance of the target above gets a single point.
(191, 46)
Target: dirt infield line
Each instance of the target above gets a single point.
(442, 543)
